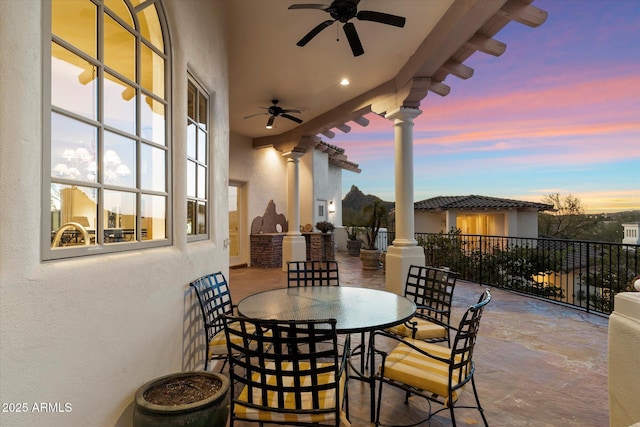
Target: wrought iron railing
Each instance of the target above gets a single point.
(582, 274)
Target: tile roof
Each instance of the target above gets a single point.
(477, 202)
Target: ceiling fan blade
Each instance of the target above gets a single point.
(309, 6)
(270, 121)
(383, 18)
(292, 111)
(306, 39)
(295, 119)
(253, 115)
(354, 40)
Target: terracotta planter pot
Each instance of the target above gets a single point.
(370, 259)
(211, 410)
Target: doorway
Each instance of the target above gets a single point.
(237, 228)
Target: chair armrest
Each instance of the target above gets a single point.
(408, 342)
(432, 320)
(431, 309)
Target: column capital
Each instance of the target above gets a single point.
(294, 154)
(403, 113)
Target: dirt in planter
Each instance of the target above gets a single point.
(183, 390)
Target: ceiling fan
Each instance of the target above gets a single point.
(274, 111)
(343, 11)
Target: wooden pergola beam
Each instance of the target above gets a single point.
(457, 69)
(523, 13)
(486, 45)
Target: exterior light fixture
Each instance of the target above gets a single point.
(332, 207)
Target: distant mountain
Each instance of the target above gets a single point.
(354, 203)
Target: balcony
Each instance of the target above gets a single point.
(537, 364)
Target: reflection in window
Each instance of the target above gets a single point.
(109, 154)
(73, 215)
(197, 163)
(120, 217)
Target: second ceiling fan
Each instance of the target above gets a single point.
(274, 111)
(344, 11)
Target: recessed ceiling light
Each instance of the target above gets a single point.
(269, 127)
(344, 82)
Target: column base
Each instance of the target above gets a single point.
(397, 263)
(294, 248)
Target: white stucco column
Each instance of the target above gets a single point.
(405, 250)
(293, 244)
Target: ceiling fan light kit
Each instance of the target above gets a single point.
(344, 11)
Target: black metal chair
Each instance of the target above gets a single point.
(431, 289)
(290, 372)
(434, 372)
(312, 273)
(214, 297)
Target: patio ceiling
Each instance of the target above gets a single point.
(399, 67)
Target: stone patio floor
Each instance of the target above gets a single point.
(537, 364)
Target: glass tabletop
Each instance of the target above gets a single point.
(355, 309)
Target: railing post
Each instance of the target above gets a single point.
(588, 278)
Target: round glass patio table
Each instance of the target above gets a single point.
(355, 309)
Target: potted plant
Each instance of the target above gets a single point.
(183, 398)
(325, 226)
(377, 216)
(353, 241)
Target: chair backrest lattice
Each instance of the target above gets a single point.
(312, 273)
(286, 367)
(432, 288)
(461, 366)
(215, 301)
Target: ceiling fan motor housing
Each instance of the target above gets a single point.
(343, 10)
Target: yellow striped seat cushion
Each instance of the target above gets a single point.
(327, 400)
(218, 345)
(425, 330)
(406, 365)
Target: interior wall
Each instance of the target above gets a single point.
(89, 331)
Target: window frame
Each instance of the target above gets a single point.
(201, 90)
(47, 252)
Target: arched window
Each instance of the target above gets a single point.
(107, 137)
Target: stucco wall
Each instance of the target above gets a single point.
(90, 331)
(527, 224)
(429, 222)
(263, 175)
(335, 193)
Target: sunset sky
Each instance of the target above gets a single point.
(558, 112)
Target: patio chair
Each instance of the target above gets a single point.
(434, 372)
(312, 273)
(431, 289)
(214, 297)
(290, 372)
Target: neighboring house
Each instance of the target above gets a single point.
(127, 154)
(631, 232)
(481, 215)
